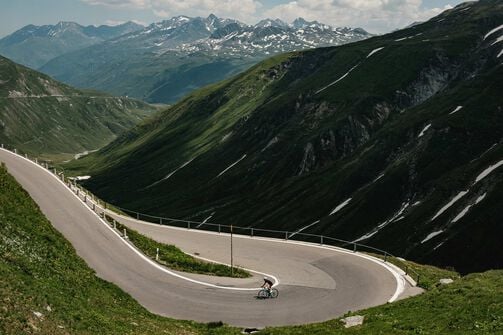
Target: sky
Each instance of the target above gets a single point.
(376, 16)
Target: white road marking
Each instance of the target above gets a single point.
(397, 273)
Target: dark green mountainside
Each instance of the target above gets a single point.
(42, 116)
(395, 142)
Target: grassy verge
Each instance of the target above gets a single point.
(40, 272)
(471, 305)
(429, 276)
(173, 258)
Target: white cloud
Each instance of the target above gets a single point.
(377, 16)
(120, 3)
(119, 22)
(374, 15)
(239, 9)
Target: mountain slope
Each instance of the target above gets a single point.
(395, 142)
(33, 46)
(40, 115)
(169, 59)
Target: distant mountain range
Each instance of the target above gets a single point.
(39, 115)
(166, 60)
(395, 141)
(33, 46)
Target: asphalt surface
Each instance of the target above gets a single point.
(315, 283)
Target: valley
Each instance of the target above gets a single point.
(164, 177)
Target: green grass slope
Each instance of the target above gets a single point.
(40, 272)
(377, 122)
(41, 116)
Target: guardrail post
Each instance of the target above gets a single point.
(25, 155)
(406, 269)
(188, 225)
(125, 233)
(15, 151)
(157, 254)
(94, 207)
(85, 198)
(160, 221)
(321, 239)
(251, 232)
(385, 256)
(115, 224)
(137, 216)
(36, 160)
(354, 247)
(219, 229)
(2, 145)
(417, 281)
(286, 235)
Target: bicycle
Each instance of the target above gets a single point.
(265, 293)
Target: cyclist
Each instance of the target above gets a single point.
(267, 284)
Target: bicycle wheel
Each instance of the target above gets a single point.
(263, 294)
(274, 293)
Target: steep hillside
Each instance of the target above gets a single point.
(395, 141)
(41, 116)
(34, 46)
(168, 59)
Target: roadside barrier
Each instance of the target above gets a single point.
(95, 203)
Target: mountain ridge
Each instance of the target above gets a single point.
(49, 41)
(171, 58)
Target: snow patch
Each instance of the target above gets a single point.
(449, 204)
(396, 217)
(487, 171)
(271, 142)
(335, 82)
(78, 178)
(340, 206)
(493, 31)
(231, 166)
(304, 228)
(374, 51)
(432, 235)
(467, 208)
(456, 110)
(499, 39)
(424, 130)
(171, 173)
(205, 220)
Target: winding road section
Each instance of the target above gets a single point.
(316, 283)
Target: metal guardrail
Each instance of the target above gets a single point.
(222, 228)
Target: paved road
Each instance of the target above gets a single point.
(315, 283)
